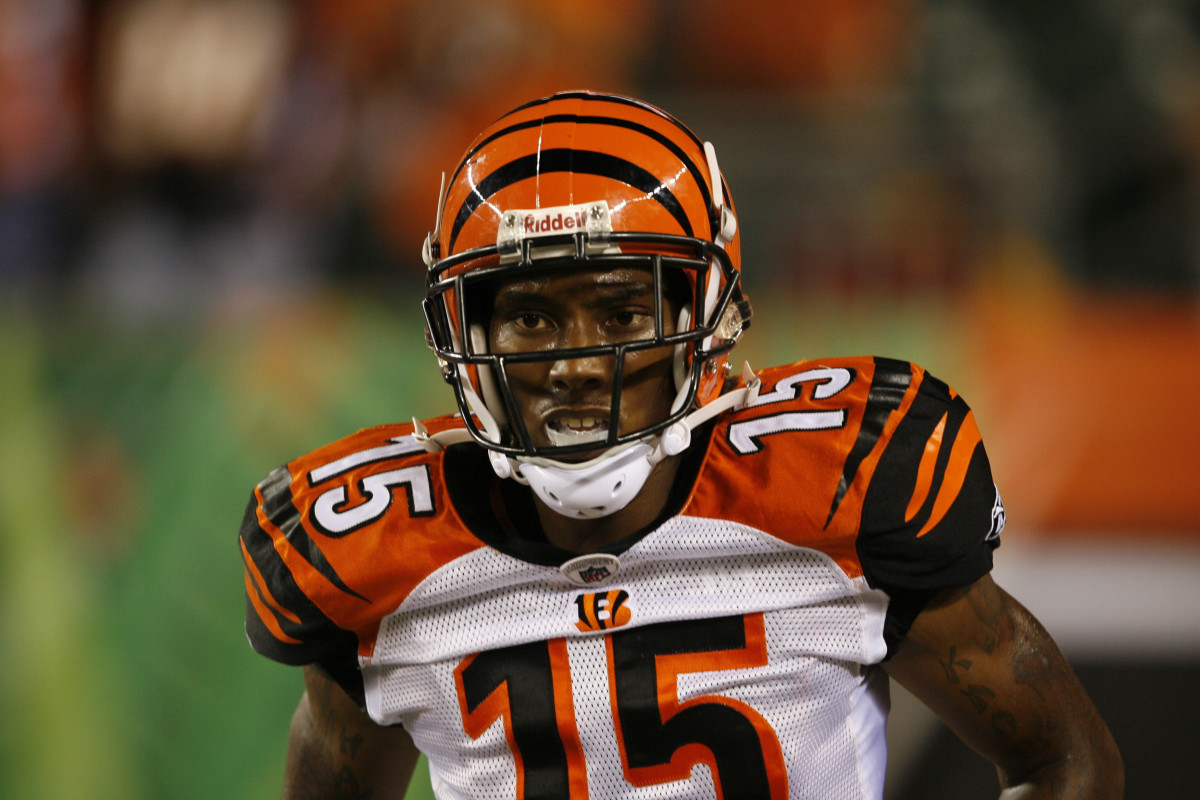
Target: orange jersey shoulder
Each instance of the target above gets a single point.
(870, 460)
(337, 538)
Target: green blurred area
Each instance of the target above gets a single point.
(126, 458)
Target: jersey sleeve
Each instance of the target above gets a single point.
(282, 622)
(931, 514)
(335, 540)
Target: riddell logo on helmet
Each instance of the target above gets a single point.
(529, 223)
(547, 223)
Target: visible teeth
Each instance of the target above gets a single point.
(577, 430)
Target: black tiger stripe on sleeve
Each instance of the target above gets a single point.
(279, 506)
(928, 510)
(282, 623)
(889, 383)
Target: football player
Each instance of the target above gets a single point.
(624, 570)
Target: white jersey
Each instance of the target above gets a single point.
(728, 651)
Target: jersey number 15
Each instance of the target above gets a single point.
(660, 738)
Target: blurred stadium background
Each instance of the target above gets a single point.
(210, 219)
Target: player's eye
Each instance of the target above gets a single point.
(529, 321)
(631, 321)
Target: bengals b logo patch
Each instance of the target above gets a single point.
(599, 611)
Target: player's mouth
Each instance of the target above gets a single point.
(566, 430)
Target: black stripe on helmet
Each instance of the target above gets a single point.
(611, 98)
(585, 162)
(555, 119)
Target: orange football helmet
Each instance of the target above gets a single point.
(582, 180)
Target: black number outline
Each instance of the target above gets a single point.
(662, 741)
(745, 436)
(528, 687)
(376, 490)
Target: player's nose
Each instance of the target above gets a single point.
(584, 372)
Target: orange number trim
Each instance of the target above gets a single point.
(668, 667)
(524, 724)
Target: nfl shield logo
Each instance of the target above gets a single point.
(593, 574)
(590, 569)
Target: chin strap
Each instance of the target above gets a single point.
(605, 484)
(597, 489)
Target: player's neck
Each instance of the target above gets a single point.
(590, 535)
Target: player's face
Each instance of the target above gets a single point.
(568, 401)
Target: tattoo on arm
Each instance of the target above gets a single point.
(1026, 727)
(952, 664)
(1029, 667)
(979, 696)
(319, 782)
(345, 786)
(976, 694)
(351, 743)
(345, 783)
(1002, 684)
(325, 765)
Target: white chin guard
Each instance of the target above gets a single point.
(595, 490)
(607, 483)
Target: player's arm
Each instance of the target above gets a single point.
(988, 668)
(336, 751)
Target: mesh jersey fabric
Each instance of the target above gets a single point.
(731, 653)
